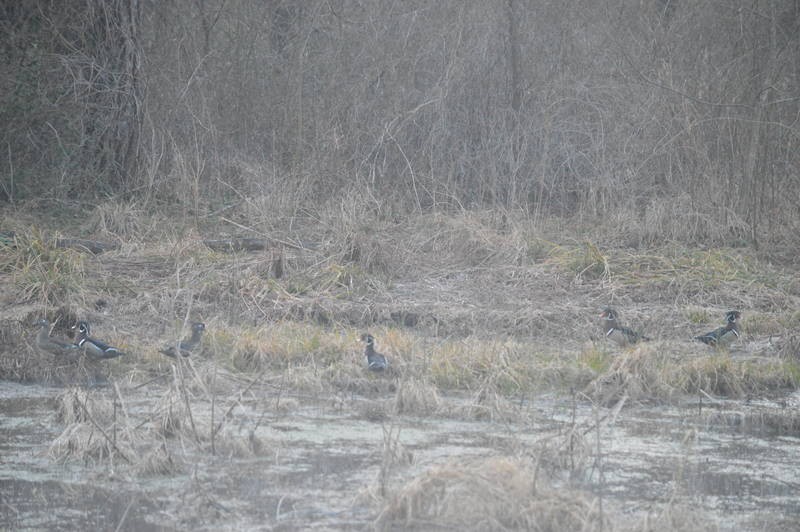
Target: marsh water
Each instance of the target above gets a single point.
(323, 460)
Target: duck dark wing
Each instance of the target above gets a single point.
(377, 362)
(170, 351)
(185, 348)
(631, 335)
(711, 338)
(61, 347)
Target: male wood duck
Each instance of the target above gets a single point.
(723, 336)
(54, 346)
(622, 336)
(93, 348)
(375, 360)
(186, 346)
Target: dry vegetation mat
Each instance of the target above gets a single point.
(466, 301)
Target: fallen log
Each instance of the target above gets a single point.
(237, 244)
(92, 246)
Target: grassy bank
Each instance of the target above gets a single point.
(464, 301)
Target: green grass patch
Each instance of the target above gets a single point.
(595, 359)
(697, 315)
(281, 346)
(42, 272)
(585, 261)
(710, 268)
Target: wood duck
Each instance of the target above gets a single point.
(375, 360)
(54, 346)
(93, 348)
(186, 346)
(622, 336)
(723, 336)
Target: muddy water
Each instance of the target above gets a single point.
(320, 463)
(743, 479)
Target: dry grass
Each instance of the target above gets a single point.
(467, 363)
(585, 262)
(85, 442)
(416, 397)
(96, 430)
(40, 271)
(498, 493)
(158, 461)
(483, 302)
(99, 429)
(19, 361)
(172, 412)
(675, 517)
(488, 403)
(724, 376)
(241, 443)
(77, 405)
(478, 314)
(571, 450)
(663, 371)
(643, 373)
(770, 422)
(125, 222)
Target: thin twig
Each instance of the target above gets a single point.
(109, 440)
(257, 379)
(124, 515)
(185, 395)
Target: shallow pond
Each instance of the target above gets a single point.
(319, 463)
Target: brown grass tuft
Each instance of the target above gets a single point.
(158, 461)
(125, 221)
(498, 493)
(95, 431)
(19, 361)
(721, 374)
(172, 415)
(659, 371)
(240, 442)
(489, 403)
(416, 397)
(88, 441)
(77, 405)
(642, 373)
(42, 272)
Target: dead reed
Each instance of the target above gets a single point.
(497, 493)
